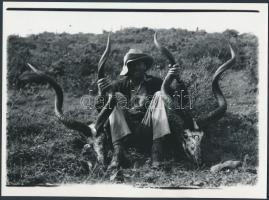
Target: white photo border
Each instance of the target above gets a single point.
(120, 190)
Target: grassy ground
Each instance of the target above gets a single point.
(42, 151)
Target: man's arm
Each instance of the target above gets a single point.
(106, 86)
(173, 72)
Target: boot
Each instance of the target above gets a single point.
(157, 152)
(119, 158)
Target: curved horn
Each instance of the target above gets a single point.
(103, 59)
(108, 108)
(164, 50)
(169, 56)
(222, 105)
(165, 88)
(40, 77)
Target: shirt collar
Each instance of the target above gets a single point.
(147, 78)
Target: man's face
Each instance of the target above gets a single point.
(137, 69)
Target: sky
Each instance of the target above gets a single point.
(26, 22)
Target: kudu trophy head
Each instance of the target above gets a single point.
(193, 133)
(91, 132)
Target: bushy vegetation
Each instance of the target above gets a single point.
(41, 150)
(73, 59)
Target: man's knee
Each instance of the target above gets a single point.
(121, 101)
(157, 100)
(158, 94)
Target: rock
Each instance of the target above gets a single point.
(230, 164)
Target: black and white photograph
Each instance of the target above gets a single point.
(134, 99)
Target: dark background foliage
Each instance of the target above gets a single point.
(41, 150)
(73, 59)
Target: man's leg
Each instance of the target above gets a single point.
(118, 125)
(156, 117)
(119, 131)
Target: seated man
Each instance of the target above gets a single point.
(140, 112)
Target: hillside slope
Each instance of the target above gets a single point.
(42, 151)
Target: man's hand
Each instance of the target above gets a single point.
(104, 84)
(173, 71)
(171, 75)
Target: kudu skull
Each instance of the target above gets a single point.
(193, 133)
(91, 133)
